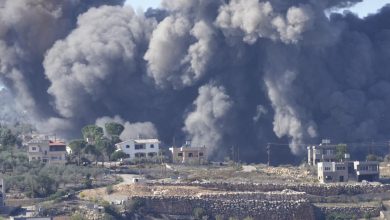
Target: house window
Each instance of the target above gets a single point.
(127, 146)
(34, 148)
(140, 146)
(152, 146)
(180, 154)
(190, 155)
(139, 155)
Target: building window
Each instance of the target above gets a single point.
(327, 168)
(140, 146)
(200, 154)
(139, 155)
(33, 148)
(152, 154)
(152, 146)
(127, 146)
(190, 155)
(33, 158)
(180, 154)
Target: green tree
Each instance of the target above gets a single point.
(106, 147)
(7, 138)
(114, 128)
(373, 157)
(117, 155)
(93, 150)
(78, 147)
(92, 133)
(341, 150)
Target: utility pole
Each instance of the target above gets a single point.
(238, 154)
(389, 147)
(233, 154)
(268, 154)
(370, 148)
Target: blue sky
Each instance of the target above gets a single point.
(362, 9)
(368, 7)
(144, 4)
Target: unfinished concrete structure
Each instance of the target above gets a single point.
(348, 171)
(323, 152)
(188, 154)
(366, 170)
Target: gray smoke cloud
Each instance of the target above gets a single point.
(223, 73)
(132, 130)
(205, 123)
(28, 28)
(254, 19)
(104, 44)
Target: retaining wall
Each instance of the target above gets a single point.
(240, 208)
(313, 189)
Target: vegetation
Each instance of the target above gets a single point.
(373, 157)
(339, 216)
(77, 216)
(109, 189)
(199, 213)
(135, 206)
(341, 150)
(114, 129)
(117, 155)
(38, 180)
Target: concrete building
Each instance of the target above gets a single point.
(366, 170)
(332, 172)
(324, 152)
(347, 171)
(47, 151)
(189, 155)
(140, 148)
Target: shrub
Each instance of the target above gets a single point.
(198, 213)
(134, 205)
(77, 216)
(109, 189)
(219, 217)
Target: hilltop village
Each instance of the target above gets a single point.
(102, 176)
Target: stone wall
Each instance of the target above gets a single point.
(241, 208)
(356, 211)
(313, 189)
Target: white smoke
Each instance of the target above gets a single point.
(132, 130)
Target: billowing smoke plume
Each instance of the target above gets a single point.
(28, 28)
(206, 122)
(132, 130)
(224, 73)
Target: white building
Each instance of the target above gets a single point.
(348, 171)
(140, 148)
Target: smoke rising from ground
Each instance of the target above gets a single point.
(222, 73)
